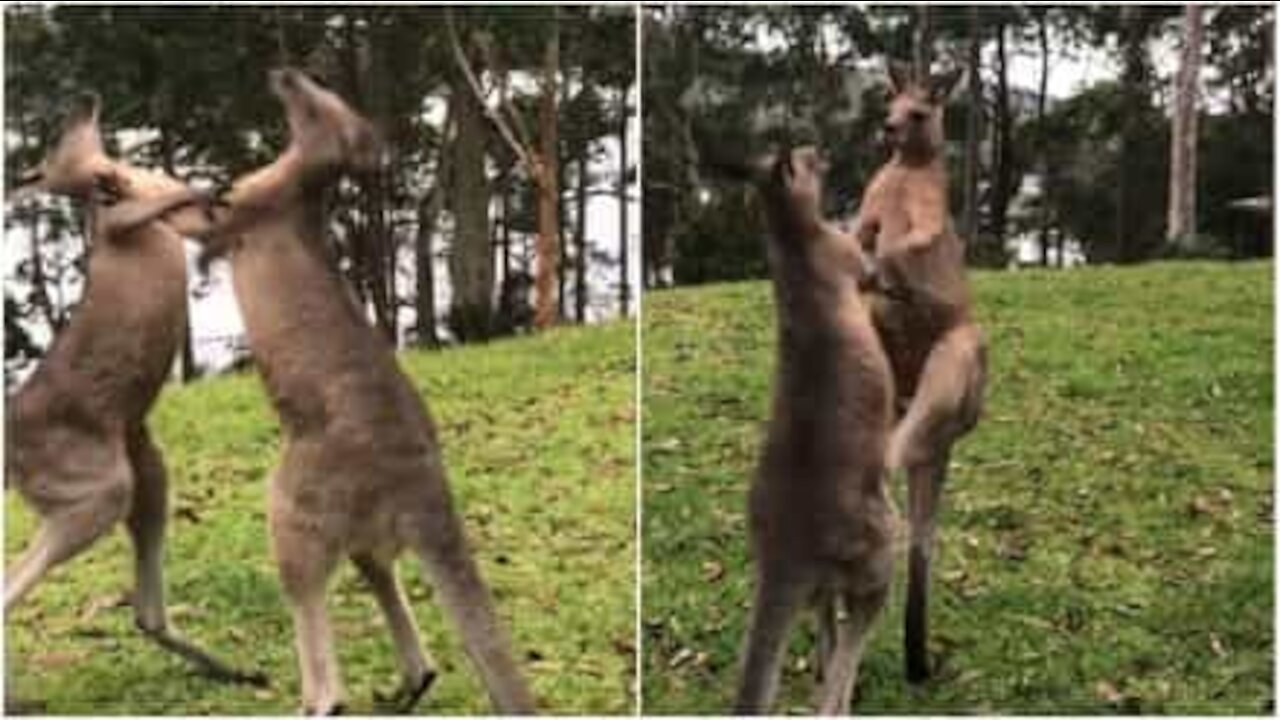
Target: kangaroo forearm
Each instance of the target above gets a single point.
(118, 220)
(864, 229)
(233, 219)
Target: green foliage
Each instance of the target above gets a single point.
(189, 86)
(710, 79)
(747, 77)
(1235, 163)
(1106, 539)
(539, 440)
(1082, 135)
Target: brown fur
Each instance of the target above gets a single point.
(821, 523)
(77, 446)
(362, 474)
(925, 320)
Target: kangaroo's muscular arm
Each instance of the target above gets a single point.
(120, 206)
(259, 194)
(117, 221)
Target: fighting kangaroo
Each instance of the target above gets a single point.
(821, 523)
(925, 320)
(76, 442)
(361, 474)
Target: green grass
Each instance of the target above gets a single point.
(1106, 540)
(539, 441)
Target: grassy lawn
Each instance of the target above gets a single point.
(539, 441)
(1106, 539)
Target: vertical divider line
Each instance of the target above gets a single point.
(637, 138)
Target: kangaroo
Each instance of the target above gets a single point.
(923, 313)
(361, 474)
(821, 523)
(76, 441)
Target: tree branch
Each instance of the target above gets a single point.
(460, 58)
(504, 97)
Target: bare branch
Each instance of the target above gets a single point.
(504, 96)
(460, 57)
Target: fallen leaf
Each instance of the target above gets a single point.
(1215, 644)
(106, 602)
(1108, 692)
(59, 659)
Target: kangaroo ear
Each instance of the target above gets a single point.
(900, 76)
(942, 87)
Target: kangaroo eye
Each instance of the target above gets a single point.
(918, 116)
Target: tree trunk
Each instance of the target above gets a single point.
(429, 208)
(624, 259)
(380, 252)
(39, 298)
(504, 206)
(374, 77)
(39, 279)
(1182, 162)
(1042, 141)
(969, 222)
(1002, 192)
(424, 255)
(922, 43)
(580, 240)
(1132, 81)
(471, 254)
(562, 182)
(545, 176)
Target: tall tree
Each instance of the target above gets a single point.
(580, 291)
(1041, 15)
(1004, 183)
(538, 161)
(430, 204)
(624, 250)
(564, 162)
(1133, 81)
(471, 254)
(1182, 161)
(548, 245)
(922, 42)
(969, 223)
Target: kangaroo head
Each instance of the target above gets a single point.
(796, 180)
(323, 129)
(913, 127)
(77, 158)
(791, 185)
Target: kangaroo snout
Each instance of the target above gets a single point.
(330, 131)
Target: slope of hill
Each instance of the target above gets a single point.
(539, 441)
(1106, 541)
